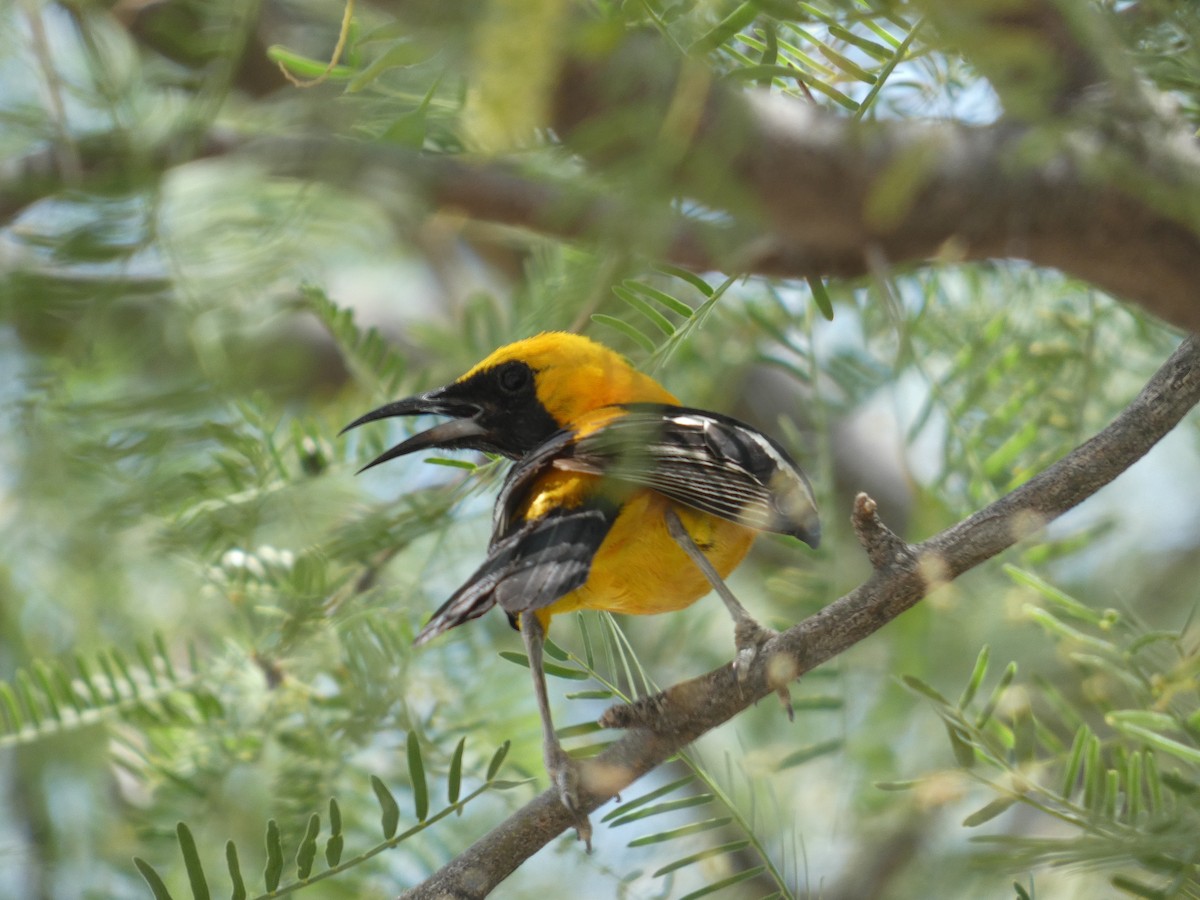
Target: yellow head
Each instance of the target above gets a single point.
(574, 375)
(521, 394)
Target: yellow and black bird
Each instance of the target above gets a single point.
(620, 499)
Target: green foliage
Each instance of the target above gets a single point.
(47, 699)
(723, 808)
(1117, 759)
(306, 850)
(179, 352)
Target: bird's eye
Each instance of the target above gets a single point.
(514, 378)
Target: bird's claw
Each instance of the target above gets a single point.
(564, 775)
(749, 637)
(743, 662)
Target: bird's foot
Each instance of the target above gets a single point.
(749, 638)
(564, 775)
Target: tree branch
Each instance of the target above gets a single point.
(1110, 202)
(828, 195)
(903, 574)
(1109, 197)
(808, 193)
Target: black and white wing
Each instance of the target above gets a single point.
(705, 460)
(532, 563)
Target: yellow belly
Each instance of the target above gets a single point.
(640, 569)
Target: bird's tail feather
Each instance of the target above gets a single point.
(470, 602)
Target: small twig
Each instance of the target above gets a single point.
(881, 544)
(343, 34)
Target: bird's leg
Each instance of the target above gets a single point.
(563, 772)
(748, 635)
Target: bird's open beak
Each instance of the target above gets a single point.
(463, 431)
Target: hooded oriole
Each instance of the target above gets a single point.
(620, 499)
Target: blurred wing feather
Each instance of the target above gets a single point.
(530, 564)
(705, 460)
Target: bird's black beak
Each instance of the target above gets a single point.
(462, 432)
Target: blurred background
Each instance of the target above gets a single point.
(206, 618)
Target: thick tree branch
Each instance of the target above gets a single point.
(903, 574)
(813, 194)
(1112, 203)
(819, 195)
(810, 194)
(577, 210)
(1109, 194)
